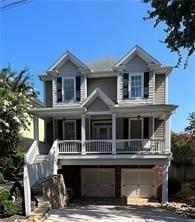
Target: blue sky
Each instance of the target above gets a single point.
(37, 33)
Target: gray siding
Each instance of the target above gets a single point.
(159, 129)
(107, 85)
(160, 89)
(136, 64)
(48, 94)
(69, 70)
(98, 105)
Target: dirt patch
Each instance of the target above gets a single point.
(181, 208)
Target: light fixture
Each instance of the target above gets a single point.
(138, 117)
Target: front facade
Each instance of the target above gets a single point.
(108, 122)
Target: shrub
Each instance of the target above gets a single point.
(174, 185)
(9, 207)
(70, 192)
(1, 177)
(4, 195)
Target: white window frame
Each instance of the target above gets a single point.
(142, 124)
(74, 79)
(100, 126)
(74, 121)
(142, 85)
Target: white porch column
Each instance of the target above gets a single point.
(167, 134)
(83, 135)
(36, 128)
(164, 201)
(113, 133)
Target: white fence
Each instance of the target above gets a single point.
(98, 146)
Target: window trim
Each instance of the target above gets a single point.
(74, 99)
(142, 85)
(75, 126)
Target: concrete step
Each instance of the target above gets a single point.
(40, 158)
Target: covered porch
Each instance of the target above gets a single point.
(111, 132)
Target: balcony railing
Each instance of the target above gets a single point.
(123, 146)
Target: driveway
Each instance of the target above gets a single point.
(111, 213)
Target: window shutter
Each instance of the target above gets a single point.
(126, 128)
(78, 129)
(146, 84)
(78, 88)
(125, 86)
(146, 128)
(59, 89)
(60, 133)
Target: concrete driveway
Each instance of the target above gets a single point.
(108, 213)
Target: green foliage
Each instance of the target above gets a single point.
(174, 185)
(4, 195)
(191, 125)
(1, 177)
(70, 192)
(16, 92)
(183, 149)
(9, 207)
(179, 18)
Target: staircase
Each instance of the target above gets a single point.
(40, 158)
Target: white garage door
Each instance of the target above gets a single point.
(98, 182)
(137, 183)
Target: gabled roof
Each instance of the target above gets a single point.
(65, 57)
(97, 93)
(102, 64)
(137, 50)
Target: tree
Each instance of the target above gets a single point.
(191, 126)
(15, 93)
(179, 17)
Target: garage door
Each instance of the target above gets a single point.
(98, 182)
(137, 183)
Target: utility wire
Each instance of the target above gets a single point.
(13, 4)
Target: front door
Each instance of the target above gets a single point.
(102, 130)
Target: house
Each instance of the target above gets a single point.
(107, 125)
(28, 134)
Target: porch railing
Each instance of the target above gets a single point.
(140, 146)
(98, 146)
(123, 146)
(69, 146)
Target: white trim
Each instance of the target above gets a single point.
(85, 83)
(65, 57)
(137, 50)
(142, 122)
(118, 88)
(83, 134)
(97, 92)
(54, 131)
(166, 89)
(74, 79)
(75, 128)
(142, 85)
(154, 86)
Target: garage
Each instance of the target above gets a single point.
(138, 183)
(98, 182)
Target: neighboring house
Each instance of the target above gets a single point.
(28, 134)
(108, 123)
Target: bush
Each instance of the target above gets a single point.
(9, 207)
(1, 177)
(70, 192)
(174, 185)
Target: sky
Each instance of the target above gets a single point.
(37, 33)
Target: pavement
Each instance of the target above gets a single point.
(114, 213)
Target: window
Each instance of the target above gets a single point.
(69, 89)
(135, 85)
(69, 130)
